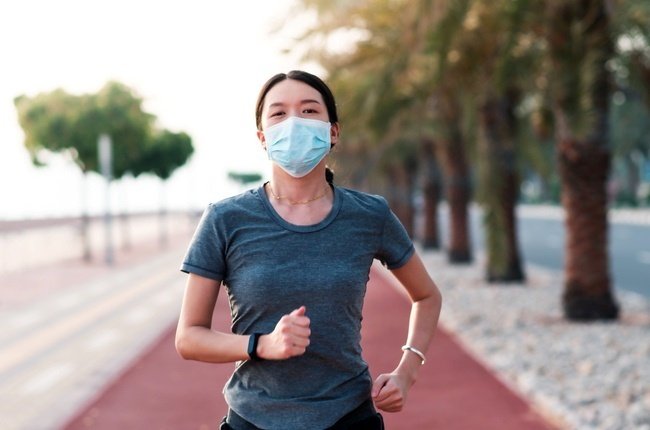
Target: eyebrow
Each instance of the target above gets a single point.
(302, 102)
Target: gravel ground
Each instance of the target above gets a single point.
(589, 375)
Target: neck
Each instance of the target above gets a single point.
(287, 189)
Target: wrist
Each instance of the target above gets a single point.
(409, 366)
(254, 347)
(407, 372)
(412, 349)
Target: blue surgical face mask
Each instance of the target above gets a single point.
(297, 144)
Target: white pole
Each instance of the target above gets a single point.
(106, 164)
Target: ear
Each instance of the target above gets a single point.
(262, 139)
(335, 130)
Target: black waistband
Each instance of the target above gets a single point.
(361, 412)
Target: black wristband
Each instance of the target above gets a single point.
(252, 346)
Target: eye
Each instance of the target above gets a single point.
(309, 110)
(278, 113)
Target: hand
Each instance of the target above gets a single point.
(290, 337)
(389, 392)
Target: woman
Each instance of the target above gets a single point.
(294, 257)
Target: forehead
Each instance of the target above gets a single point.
(291, 91)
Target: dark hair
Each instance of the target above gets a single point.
(309, 79)
(312, 80)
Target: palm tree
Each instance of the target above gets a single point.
(431, 184)
(500, 182)
(580, 44)
(451, 151)
(388, 84)
(489, 58)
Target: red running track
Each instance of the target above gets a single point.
(453, 392)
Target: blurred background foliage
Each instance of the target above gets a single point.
(493, 102)
(410, 56)
(71, 125)
(497, 102)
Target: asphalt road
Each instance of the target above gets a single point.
(541, 239)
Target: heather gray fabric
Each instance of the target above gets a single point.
(270, 267)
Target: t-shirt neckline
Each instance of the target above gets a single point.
(336, 206)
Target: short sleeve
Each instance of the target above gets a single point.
(205, 255)
(396, 246)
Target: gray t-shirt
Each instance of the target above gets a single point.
(270, 267)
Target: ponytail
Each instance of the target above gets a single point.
(329, 175)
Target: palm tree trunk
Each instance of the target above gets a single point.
(457, 191)
(401, 192)
(451, 154)
(499, 188)
(431, 189)
(587, 294)
(410, 168)
(583, 155)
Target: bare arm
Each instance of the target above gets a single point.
(195, 339)
(389, 390)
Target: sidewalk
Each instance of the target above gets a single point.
(70, 329)
(454, 391)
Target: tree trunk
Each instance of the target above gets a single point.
(583, 155)
(499, 188)
(400, 195)
(584, 170)
(85, 220)
(457, 191)
(431, 190)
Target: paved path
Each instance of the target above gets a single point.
(85, 346)
(68, 329)
(454, 391)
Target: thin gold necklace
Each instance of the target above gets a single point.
(299, 202)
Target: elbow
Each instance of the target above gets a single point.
(182, 344)
(438, 298)
(437, 301)
(432, 298)
(432, 302)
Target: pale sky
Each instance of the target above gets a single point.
(198, 65)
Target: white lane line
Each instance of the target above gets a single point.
(101, 340)
(162, 299)
(98, 290)
(46, 379)
(68, 301)
(644, 257)
(138, 315)
(25, 319)
(49, 334)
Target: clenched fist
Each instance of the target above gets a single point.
(290, 337)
